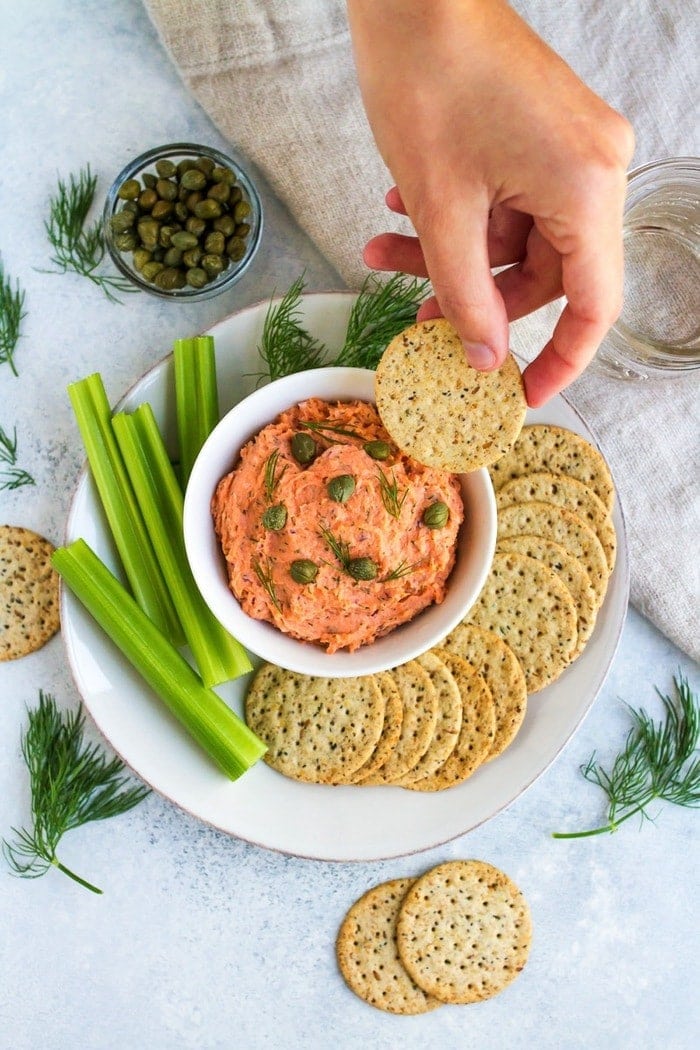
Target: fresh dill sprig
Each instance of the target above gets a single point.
(330, 428)
(392, 497)
(658, 762)
(80, 247)
(340, 548)
(264, 574)
(381, 310)
(72, 783)
(272, 478)
(402, 569)
(12, 313)
(286, 347)
(11, 476)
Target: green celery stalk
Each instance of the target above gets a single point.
(196, 398)
(217, 654)
(131, 538)
(211, 722)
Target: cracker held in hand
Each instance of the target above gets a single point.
(29, 613)
(367, 954)
(463, 931)
(440, 410)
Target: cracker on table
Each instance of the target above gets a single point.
(570, 571)
(420, 711)
(368, 957)
(565, 492)
(29, 608)
(440, 410)
(391, 730)
(500, 668)
(543, 446)
(529, 606)
(476, 733)
(463, 931)
(562, 526)
(449, 720)
(317, 729)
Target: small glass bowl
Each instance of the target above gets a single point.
(146, 164)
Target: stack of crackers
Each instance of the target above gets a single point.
(458, 934)
(429, 724)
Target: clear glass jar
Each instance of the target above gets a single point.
(658, 331)
(145, 164)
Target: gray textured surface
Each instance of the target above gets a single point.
(201, 941)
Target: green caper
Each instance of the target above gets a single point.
(303, 448)
(126, 241)
(362, 569)
(184, 240)
(195, 225)
(236, 195)
(220, 191)
(166, 190)
(207, 209)
(151, 269)
(221, 174)
(194, 179)
(192, 199)
(224, 224)
(147, 198)
(195, 276)
(436, 515)
(132, 207)
(205, 164)
(182, 211)
(303, 571)
(235, 248)
(148, 230)
(185, 165)
(165, 168)
(212, 263)
(129, 190)
(141, 257)
(173, 257)
(242, 229)
(122, 221)
(170, 279)
(149, 180)
(275, 517)
(162, 209)
(192, 257)
(165, 234)
(341, 488)
(377, 449)
(241, 211)
(215, 242)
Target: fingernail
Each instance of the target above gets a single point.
(480, 356)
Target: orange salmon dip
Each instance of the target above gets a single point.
(330, 532)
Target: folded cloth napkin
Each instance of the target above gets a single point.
(277, 78)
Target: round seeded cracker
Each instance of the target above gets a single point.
(529, 606)
(29, 609)
(391, 730)
(542, 446)
(565, 492)
(420, 712)
(463, 931)
(476, 733)
(317, 729)
(500, 668)
(440, 410)
(368, 957)
(449, 720)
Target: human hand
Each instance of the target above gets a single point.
(501, 157)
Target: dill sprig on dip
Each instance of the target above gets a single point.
(11, 476)
(11, 315)
(272, 477)
(392, 497)
(264, 574)
(80, 247)
(72, 783)
(658, 762)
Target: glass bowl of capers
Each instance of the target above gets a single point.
(183, 221)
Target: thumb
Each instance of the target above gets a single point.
(455, 248)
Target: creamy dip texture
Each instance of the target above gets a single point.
(330, 532)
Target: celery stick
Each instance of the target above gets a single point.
(131, 538)
(196, 398)
(215, 727)
(217, 654)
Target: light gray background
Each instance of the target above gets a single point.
(201, 941)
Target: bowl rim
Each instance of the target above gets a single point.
(219, 454)
(229, 276)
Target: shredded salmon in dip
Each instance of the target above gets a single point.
(377, 528)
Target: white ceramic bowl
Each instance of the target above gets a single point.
(219, 455)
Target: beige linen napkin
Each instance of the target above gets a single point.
(277, 78)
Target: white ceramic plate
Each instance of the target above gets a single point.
(327, 823)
